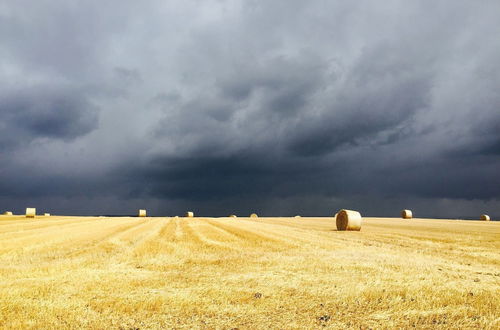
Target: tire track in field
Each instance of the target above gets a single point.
(179, 232)
(120, 248)
(46, 228)
(174, 246)
(252, 236)
(117, 243)
(323, 235)
(183, 234)
(313, 224)
(168, 231)
(133, 235)
(85, 252)
(189, 238)
(302, 238)
(213, 237)
(19, 220)
(22, 228)
(196, 250)
(183, 239)
(154, 244)
(447, 250)
(217, 249)
(162, 245)
(226, 235)
(295, 237)
(287, 230)
(200, 231)
(68, 242)
(36, 231)
(42, 236)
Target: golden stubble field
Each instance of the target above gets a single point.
(226, 273)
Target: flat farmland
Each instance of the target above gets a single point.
(227, 273)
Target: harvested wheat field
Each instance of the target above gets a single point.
(74, 272)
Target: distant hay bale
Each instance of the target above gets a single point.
(233, 216)
(46, 214)
(30, 212)
(485, 217)
(254, 215)
(142, 213)
(349, 220)
(297, 216)
(406, 214)
(189, 214)
(7, 213)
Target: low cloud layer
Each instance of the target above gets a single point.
(279, 107)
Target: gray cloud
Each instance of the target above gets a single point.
(279, 106)
(40, 112)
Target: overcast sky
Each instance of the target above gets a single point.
(275, 107)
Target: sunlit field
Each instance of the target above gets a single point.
(130, 273)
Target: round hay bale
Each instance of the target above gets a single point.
(297, 216)
(7, 213)
(485, 217)
(406, 214)
(233, 216)
(30, 212)
(142, 213)
(189, 214)
(254, 215)
(46, 214)
(349, 220)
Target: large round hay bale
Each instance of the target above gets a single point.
(142, 213)
(46, 214)
(406, 214)
(297, 216)
(233, 216)
(30, 212)
(189, 214)
(7, 213)
(485, 217)
(349, 220)
(254, 215)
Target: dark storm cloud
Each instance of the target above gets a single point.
(276, 106)
(40, 112)
(492, 149)
(243, 175)
(376, 96)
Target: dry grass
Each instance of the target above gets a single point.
(70, 272)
